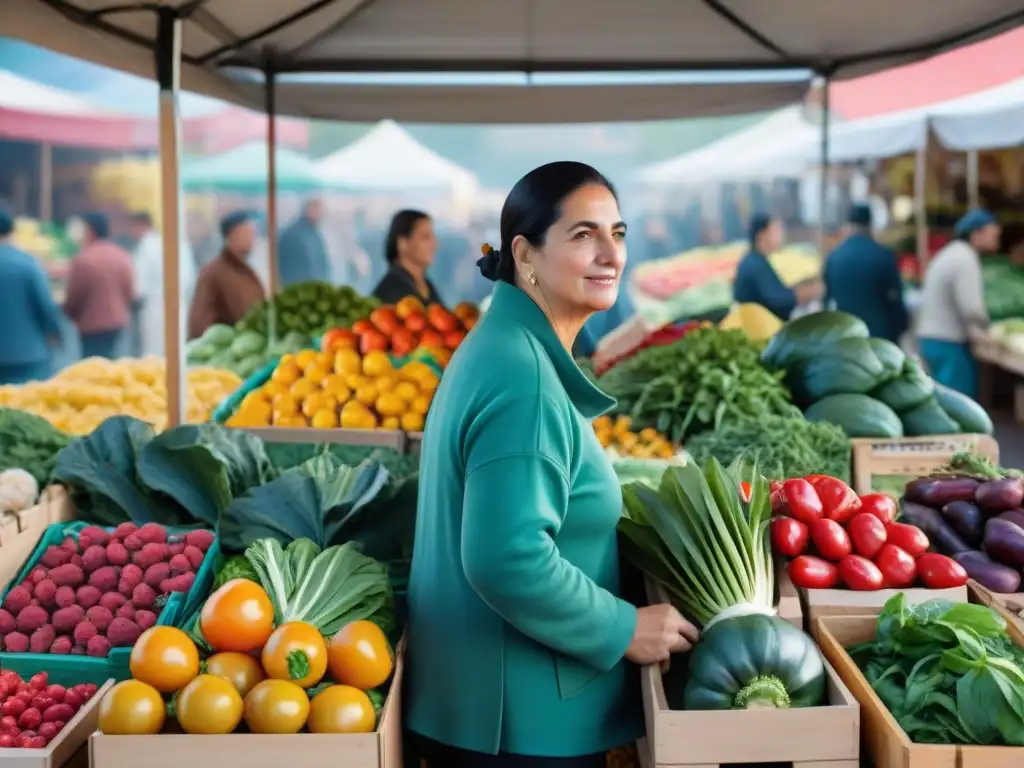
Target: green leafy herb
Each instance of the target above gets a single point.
(29, 442)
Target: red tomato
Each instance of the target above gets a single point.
(880, 505)
(778, 499)
(403, 341)
(336, 338)
(867, 534)
(416, 322)
(812, 573)
(813, 479)
(860, 574)
(940, 572)
(897, 567)
(909, 538)
(830, 539)
(838, 500)
(803, 502)
(789, 536)
(373, 340)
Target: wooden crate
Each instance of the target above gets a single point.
(21, 531)
(912, 456)
(1009, 606)
(788, 603)
(413, 442)
(819, 603)
(811, 737)
(885, 743)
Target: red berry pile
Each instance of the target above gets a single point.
(33, 712)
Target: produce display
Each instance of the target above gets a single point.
(837, 539)
(99, 589)
(1003, 284)
(241, 352)
(80, 397)
(972, 512)
(948, 672)
(747, 657)
(307, 309)
(659, 338)
(30, 443)
(708, 378)
(867, 386)
(34, 712)
(648, 443)
(1009, 333)
(344, 388)
(404, 327)
(754, 320)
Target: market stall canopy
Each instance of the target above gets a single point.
(511, 36)
(244, 170)
(997, 127)
(388, 158)
(907, 131)
(776, 147)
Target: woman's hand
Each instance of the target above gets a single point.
(660, 632)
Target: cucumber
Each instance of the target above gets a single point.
(968, 414)
(858, 415)
(929, 419)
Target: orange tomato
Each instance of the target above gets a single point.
(408, 306)
(441, 319)
(359, 327)
(416, 323)
(276, 706)
(385, 320)
(452, 339)
(469, 322)
(403, 341)
(237, 617)
(341, 709)
(432, 339)
(296, 651)
(465, 311)
(360, 656)
(239, 669)
(373, 340)
(132, 708)
(165, 658)
(336, 338)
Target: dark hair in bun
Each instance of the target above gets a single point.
(532, 206)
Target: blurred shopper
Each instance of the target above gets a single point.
(953, 307)
(301, 252)
(756, 280)
(100, 290)
(228, 286)
(28, 315)
(863, 278)
(149, 276)
(409, 251)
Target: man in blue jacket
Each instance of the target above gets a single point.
(756, 281)
(863, 279)
(29, 318)
(301, 252)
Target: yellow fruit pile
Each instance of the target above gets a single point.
(83, 395)
(343, 389)
(648, 443)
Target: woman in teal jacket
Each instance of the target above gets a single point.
(520, 650)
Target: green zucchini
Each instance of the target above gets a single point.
(971, 417)
(929, 419)
(912, 388)
(849, 366)
(803, 338)
(858, 415)
(754, 662)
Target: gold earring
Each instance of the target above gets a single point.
(533, 278)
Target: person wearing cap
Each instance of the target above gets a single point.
(228, 286)
(28, 314)
(862, 278)
(953, 307)
(756, 281)
(301, 252)
(100, 289)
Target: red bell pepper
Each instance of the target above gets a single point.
(802, 500)
(839, 501)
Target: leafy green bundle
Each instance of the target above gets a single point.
(29, 442)
(948, 672)
(708, 378)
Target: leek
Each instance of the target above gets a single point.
(695, 537)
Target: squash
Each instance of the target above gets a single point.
(963, 410)
(803, 338)
(929, 419)
(912, 388)
(858, 415)
(847, 367)
(754, 662)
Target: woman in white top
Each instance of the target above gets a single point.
(149, 279)
(953, 307)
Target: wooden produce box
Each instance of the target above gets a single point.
(788, 602)
(378, 438)
(67, 745)
(19, 538)
(1009, 606)
(886, 743)
(381, 749)
(819, 603)
(887, 465)
(413, 442)
(812, 737)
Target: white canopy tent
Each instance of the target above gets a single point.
(22, 95)
(975, 121)
(387, 158)
(776, 147)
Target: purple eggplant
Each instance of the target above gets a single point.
(966, 519)
(1000, 495)
(941, 534)
(1015, 516)
(1004, 542)
(990, 574)
(937, 492)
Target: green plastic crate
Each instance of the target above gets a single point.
(72, 670)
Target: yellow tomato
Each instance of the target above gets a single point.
(376, 364)
(341, 709)
(165, 658)
(302, 388)
(297, 421)
(325, 360)
(276, 706)
(390, 404)
(286, 373)
(356, 380)
(315, 373)
(603, 422)
(254, 398)
(407, 391)
(305, 358)
(132, 708)
(347, 361)
(335, 385)
(239, 669)
(258, 412)
(412, 422)
(391, 422)
(296, 651)
(420, 405)
(360, 655)
(209, 705)
(428, 382)
(414, 369)
(367, 394)
(355, 415)
(286, 404)
(324, 419)
(273, 388)
(385, 383)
